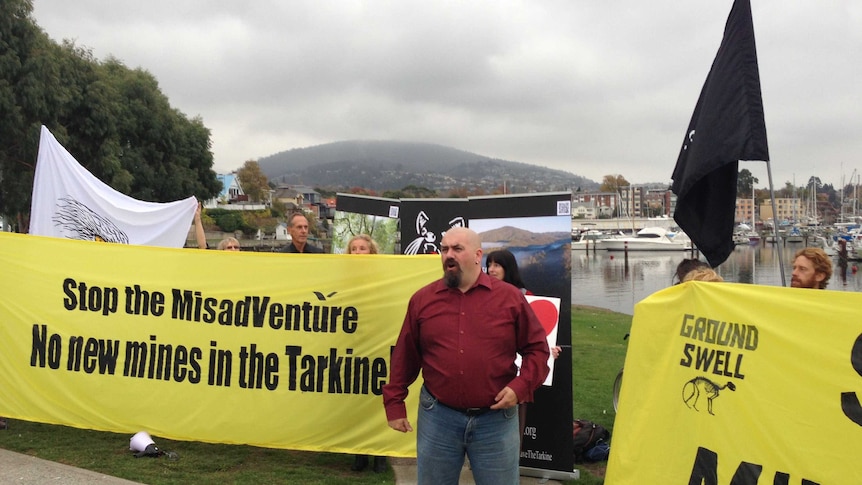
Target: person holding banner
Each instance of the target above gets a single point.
(364, 244)
(226, 244)
(297, 226)
(463, 332)
(501, 264)
(686, 266)
(702, 274)
(812, 268)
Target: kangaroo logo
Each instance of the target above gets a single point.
(701, 387)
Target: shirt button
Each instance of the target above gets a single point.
(462, 351)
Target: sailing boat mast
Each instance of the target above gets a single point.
(753, 205)
(795, 202)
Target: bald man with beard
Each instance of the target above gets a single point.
(462, 332)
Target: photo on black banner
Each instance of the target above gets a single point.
(376, 217)
(539, 246)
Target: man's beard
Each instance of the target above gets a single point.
(802, 284)
(452, 278)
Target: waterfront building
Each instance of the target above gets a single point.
(745, 211)
(594, 205)
(630, 201)
(787, 209)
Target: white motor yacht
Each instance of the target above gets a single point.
(590, 239)
(648, 239)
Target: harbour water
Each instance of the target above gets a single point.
(611, 280)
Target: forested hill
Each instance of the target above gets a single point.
(391, 165)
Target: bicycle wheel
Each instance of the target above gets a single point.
(618, 383)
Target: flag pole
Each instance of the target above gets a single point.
(775, 224)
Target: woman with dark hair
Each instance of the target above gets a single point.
(501, 264)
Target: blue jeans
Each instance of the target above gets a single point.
(444, 435)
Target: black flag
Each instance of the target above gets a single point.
(727, 126)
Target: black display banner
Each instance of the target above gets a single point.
(536, 229)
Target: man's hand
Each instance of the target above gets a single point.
(402, 425)
(505, 399)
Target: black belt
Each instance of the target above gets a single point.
(468, 411)
(465, 411)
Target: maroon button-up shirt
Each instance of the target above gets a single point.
(465, 345)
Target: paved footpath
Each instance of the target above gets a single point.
(23, 469)
(405, 474)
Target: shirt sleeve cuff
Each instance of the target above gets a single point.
(396, 411)
(521, 390)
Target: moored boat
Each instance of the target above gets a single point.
(648, 239)
(589, 239)
(794, 236)
(740, 239)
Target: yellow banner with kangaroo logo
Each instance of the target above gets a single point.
(739, 384)
(266, 349)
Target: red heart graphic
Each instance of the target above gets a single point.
(547, 314)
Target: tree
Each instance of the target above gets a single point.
(815, 183)
(381, 229)
(228, 221)
(613, 183)
(254, 220)
(113, 120)
(325, 193)
(789, 191)
(253, 181)
(313, 224)
(745, 182)
(411, 192)
(29, 71)
(362, 191)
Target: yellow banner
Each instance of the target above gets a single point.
(266, 349)
(741, 384)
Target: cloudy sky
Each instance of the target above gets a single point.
(593, 87)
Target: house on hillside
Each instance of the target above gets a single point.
(329, 207)
(288, 196)
(301, 197)
(231, 191)
(281, 233)
(581, 210)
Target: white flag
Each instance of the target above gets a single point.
(69, 202)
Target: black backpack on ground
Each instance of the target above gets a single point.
(590, 440)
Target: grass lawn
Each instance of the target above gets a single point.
(599, 352)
